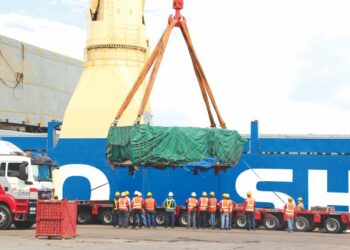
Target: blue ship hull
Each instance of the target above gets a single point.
(272, 168)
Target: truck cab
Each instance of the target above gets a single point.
(24, 178)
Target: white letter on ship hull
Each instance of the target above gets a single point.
(98, 180)
(318, 194)
(248, 180)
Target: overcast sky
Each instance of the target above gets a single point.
(285, 63)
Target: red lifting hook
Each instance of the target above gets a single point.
(178, 5)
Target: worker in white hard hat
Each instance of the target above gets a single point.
(170, 208)
(203, 209)
(191, 204)
(249, 210)
(123, 210)
(137, 204)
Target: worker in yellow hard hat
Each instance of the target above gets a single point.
(212, 206)
(150, 210)
(203, 210)
(115, 209)
(249, 209)
(224, 205)
(300, 206)
(289, 212)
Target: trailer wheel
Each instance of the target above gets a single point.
(183, 220)
(24, 224)
(160, 218)
(5, 218)
(106, 217)
(241, 222)
(332, 225)
(271, 222)
(84, 217)
(302, 224)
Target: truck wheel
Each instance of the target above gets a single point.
(160, 219)
(241, 222)
(332, 225)
(183, 220)
(106, 217)
(271, 222)
(302, 224)
(5, 218)
(84, 217)
(23, 224)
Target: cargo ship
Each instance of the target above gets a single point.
(273, 168)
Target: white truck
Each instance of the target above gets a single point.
(24, 178)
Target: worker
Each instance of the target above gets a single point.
(150, 210)
(123, 210)
(249, 210)
(224, 205)
(136, 204)
(170, 207)
(203, 208)
(289, 211)
(300, 206)
(230, 210)
(191, 204)
(143, 212)
(115, 209)
(212, 205)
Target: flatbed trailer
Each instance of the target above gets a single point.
(327, 220)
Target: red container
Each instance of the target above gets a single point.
(56, 218)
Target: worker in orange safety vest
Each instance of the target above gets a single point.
(150, 210)
(231, 207)
(115, 209)
(137, 204)
(224, 206)
(249, 210)
(289, 212)
(123, 211)
(191, 204)
(203, 208)
(212, 206)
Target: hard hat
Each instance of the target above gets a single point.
(212, 194)
(193, 194)
(227, 196)
(127, 193)
(149, 194)
(223, 195)
(123, 193)
(290, 199)
(249, 193)
(204, 194)
(171, 194)
(140, 194)
(300, 199)
(136, 193)
(117, 194)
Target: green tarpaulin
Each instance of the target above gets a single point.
(144, 145)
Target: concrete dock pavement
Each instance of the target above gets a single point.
(106, 237)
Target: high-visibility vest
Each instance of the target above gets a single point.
(122, 204)
(150, 203)
(250, 205)
(289, 213)
(137, 203)
(169, 204)
(115, 204)
(212, 205)
(225, 206)
(192, 203)
(203, 204)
